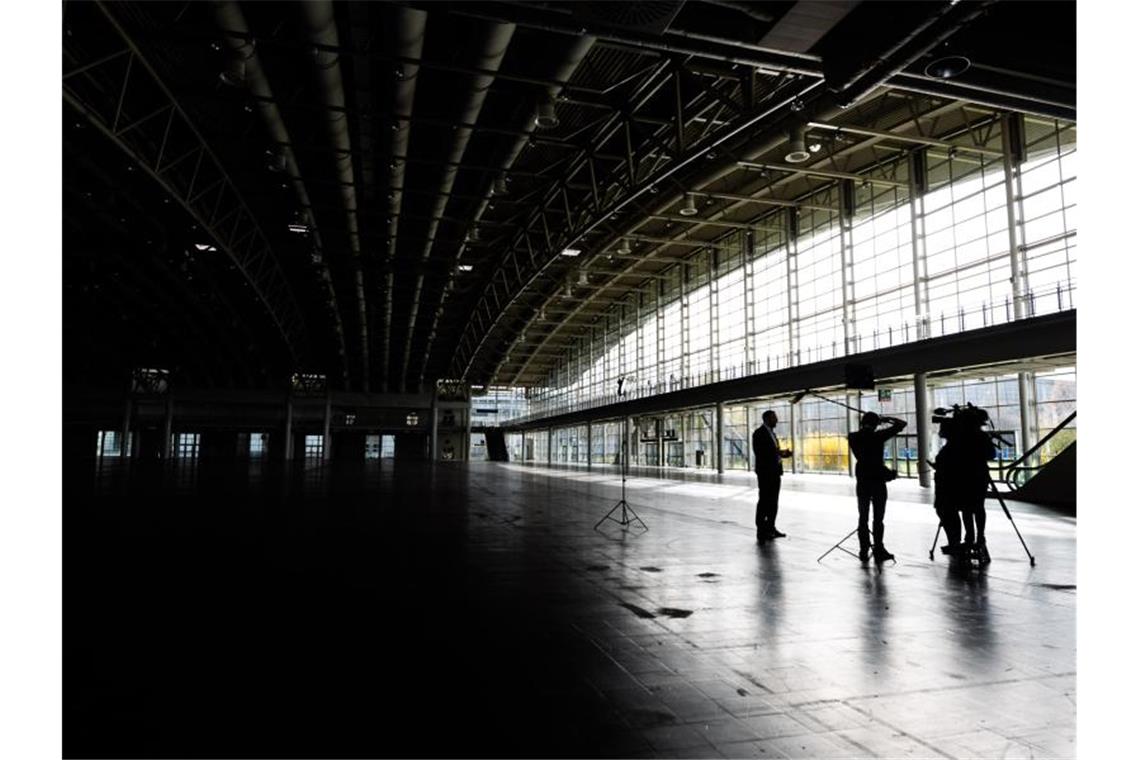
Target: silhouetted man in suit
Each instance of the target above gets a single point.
(871, 477)
(769, 470)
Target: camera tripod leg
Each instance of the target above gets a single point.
(993, 487)
(937, 532)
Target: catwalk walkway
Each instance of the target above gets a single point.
(470, 610)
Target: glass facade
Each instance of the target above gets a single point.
(895, 267)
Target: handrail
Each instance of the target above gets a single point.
(1018, 463)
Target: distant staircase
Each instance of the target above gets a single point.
(1052, 482)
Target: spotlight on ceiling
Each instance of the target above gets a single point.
(623, 249)
(465, 267)
(690, 207)
(234, 73)
(571, 252)
(797, 152)
(947, 67)
(276, 161)
(546, 118)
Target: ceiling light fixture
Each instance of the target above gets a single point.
(623, 249)
(797, 153)
(546, 118)
(234, 73)
(204, 247)
(690, 207)
(465, 267)
(583, 277)
(276, 160)
(947, 67)
(571, 252)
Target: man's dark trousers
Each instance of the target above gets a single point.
(870, 492)
(768, 502)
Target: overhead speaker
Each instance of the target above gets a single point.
(860, 377)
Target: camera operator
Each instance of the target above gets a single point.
(962, 478)
(871, 478)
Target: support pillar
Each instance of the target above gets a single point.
(125, 440)
(854, 400)
(792, 438)
(922, 415)
(549, 446)
(434, 431)
(589, 445)
(1027, 405)
(167, 428)
(468, 410)
(326, 447)
(720, 437)
(288, 447)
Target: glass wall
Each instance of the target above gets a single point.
(806, 287)
(1056, 396)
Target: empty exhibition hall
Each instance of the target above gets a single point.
(673, 378)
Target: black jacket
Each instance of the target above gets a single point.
(767, 454)
(867, 446)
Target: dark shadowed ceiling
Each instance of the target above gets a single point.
(256, 189)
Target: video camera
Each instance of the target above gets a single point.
(963, 414)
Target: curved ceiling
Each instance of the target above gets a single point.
(362, 190)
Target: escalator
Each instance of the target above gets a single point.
(1047, 473)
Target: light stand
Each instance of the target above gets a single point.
(840, 547)
(628, 516)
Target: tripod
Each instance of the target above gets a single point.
(625, 520)
(843, 548)
(997, 494)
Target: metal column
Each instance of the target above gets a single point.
(1012, 140)
(125, 441)
(167, 428)
(434, 429)
(720, 437)
(326, 439)
(589, 445)
(792, 438)
(922, 415)
(288, 430)
(853, 417)
(549, 446)
(792, 288)
(847, 263)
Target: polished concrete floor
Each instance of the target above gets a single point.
(472, 610)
